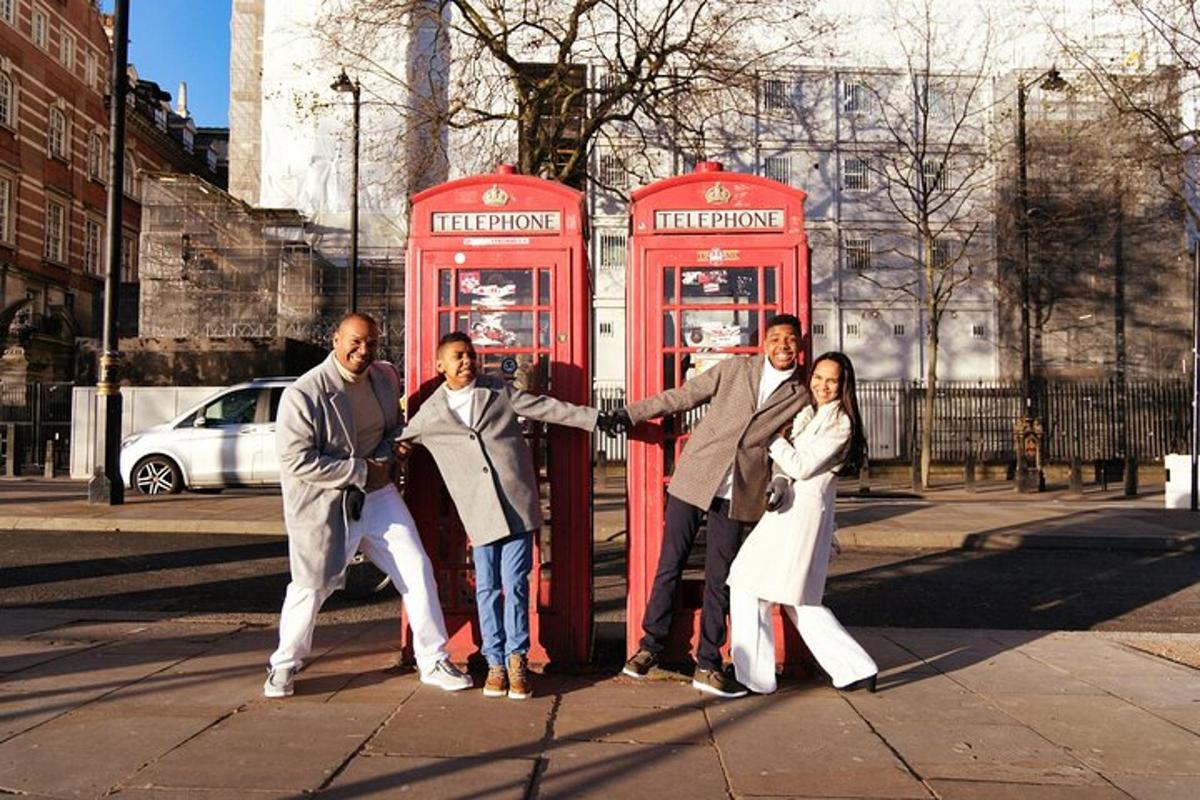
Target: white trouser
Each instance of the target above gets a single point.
(752, 638)
(387, 535)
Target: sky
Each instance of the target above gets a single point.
(183, 40)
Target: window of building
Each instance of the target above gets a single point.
(934, 173)
(129, 179)
(612, 171)
(8, 101)
(687, 163)
(97, 157)
(774, 95)
(857, 253)
(612, 250)
(854, 97)
(856, 174)
(66, 50)
(979, 331)
(55, 233)
(943, 253)
(56, 133)
(610, 87)
(8, 11)
(606, 329)
(6, 205)
(898, 330)
(128, 259)
(90, 69)
(818, 329)
(778, 168)
(852, 330)
(93, 236)
(41, 27)
(189, 141)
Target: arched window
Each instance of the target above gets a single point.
(97, 158)
(129, 184)
(56, 133)
(8, 104)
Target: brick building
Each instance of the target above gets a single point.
(55, 58)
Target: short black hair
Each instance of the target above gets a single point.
(454, 336)
(785, 319)
(367, 318)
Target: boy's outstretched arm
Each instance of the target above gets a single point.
(555, 412)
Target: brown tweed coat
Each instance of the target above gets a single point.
(732, 433)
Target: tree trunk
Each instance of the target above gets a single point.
(927, 415)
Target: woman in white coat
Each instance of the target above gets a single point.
(785, 559)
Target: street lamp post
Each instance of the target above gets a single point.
(1029, 427)
(106, 485)
(344, 84)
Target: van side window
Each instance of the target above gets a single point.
(235, 408)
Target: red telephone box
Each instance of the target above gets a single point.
(501, 257)
(712, 256)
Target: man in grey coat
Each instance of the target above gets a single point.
(335, 432)
(471, 428)
(721, 478)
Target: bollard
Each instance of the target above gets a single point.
(48, 469)
(916, 470)
(969, 471)
(1131, 479)
(10, 450)
(864, 477)
(1076, 485)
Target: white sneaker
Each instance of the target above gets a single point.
(445, 675)
(279, 683)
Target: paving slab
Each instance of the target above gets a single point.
(21, 654)
(808, 742)
(1109, 734)
(992, 790)
(389, 776)
(157, 793)
(603, 771)
(1158, 787)
(43, 692)
(932, 699)
(683, 725)
(86, 754)
(451, 724)
(1000, 753)
(624, 692)
(293, 747)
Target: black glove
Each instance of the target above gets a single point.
(614, 422)
(355, 497)
(777, 492)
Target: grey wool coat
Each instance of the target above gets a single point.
(488, 466)
(734, 433)
(315, 436)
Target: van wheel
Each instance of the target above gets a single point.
(157, 475)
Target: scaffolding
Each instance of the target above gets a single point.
(213, 267)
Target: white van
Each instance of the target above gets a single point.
(227, 440)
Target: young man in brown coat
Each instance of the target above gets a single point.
(722, 476)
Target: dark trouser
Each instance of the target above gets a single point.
(724, 537)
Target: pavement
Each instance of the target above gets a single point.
(945, 517)
(159, 707)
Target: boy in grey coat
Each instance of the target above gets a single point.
(470, 426)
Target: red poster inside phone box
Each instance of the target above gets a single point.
(712, 256)
(501, 257)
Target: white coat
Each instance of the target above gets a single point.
(785, 559)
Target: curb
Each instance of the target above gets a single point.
(93, 525)
(954, 540)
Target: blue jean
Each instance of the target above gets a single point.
(503, 565)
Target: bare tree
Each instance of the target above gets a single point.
(923, 156)
(542, 82)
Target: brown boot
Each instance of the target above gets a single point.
(497, 682)
(518, 677)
